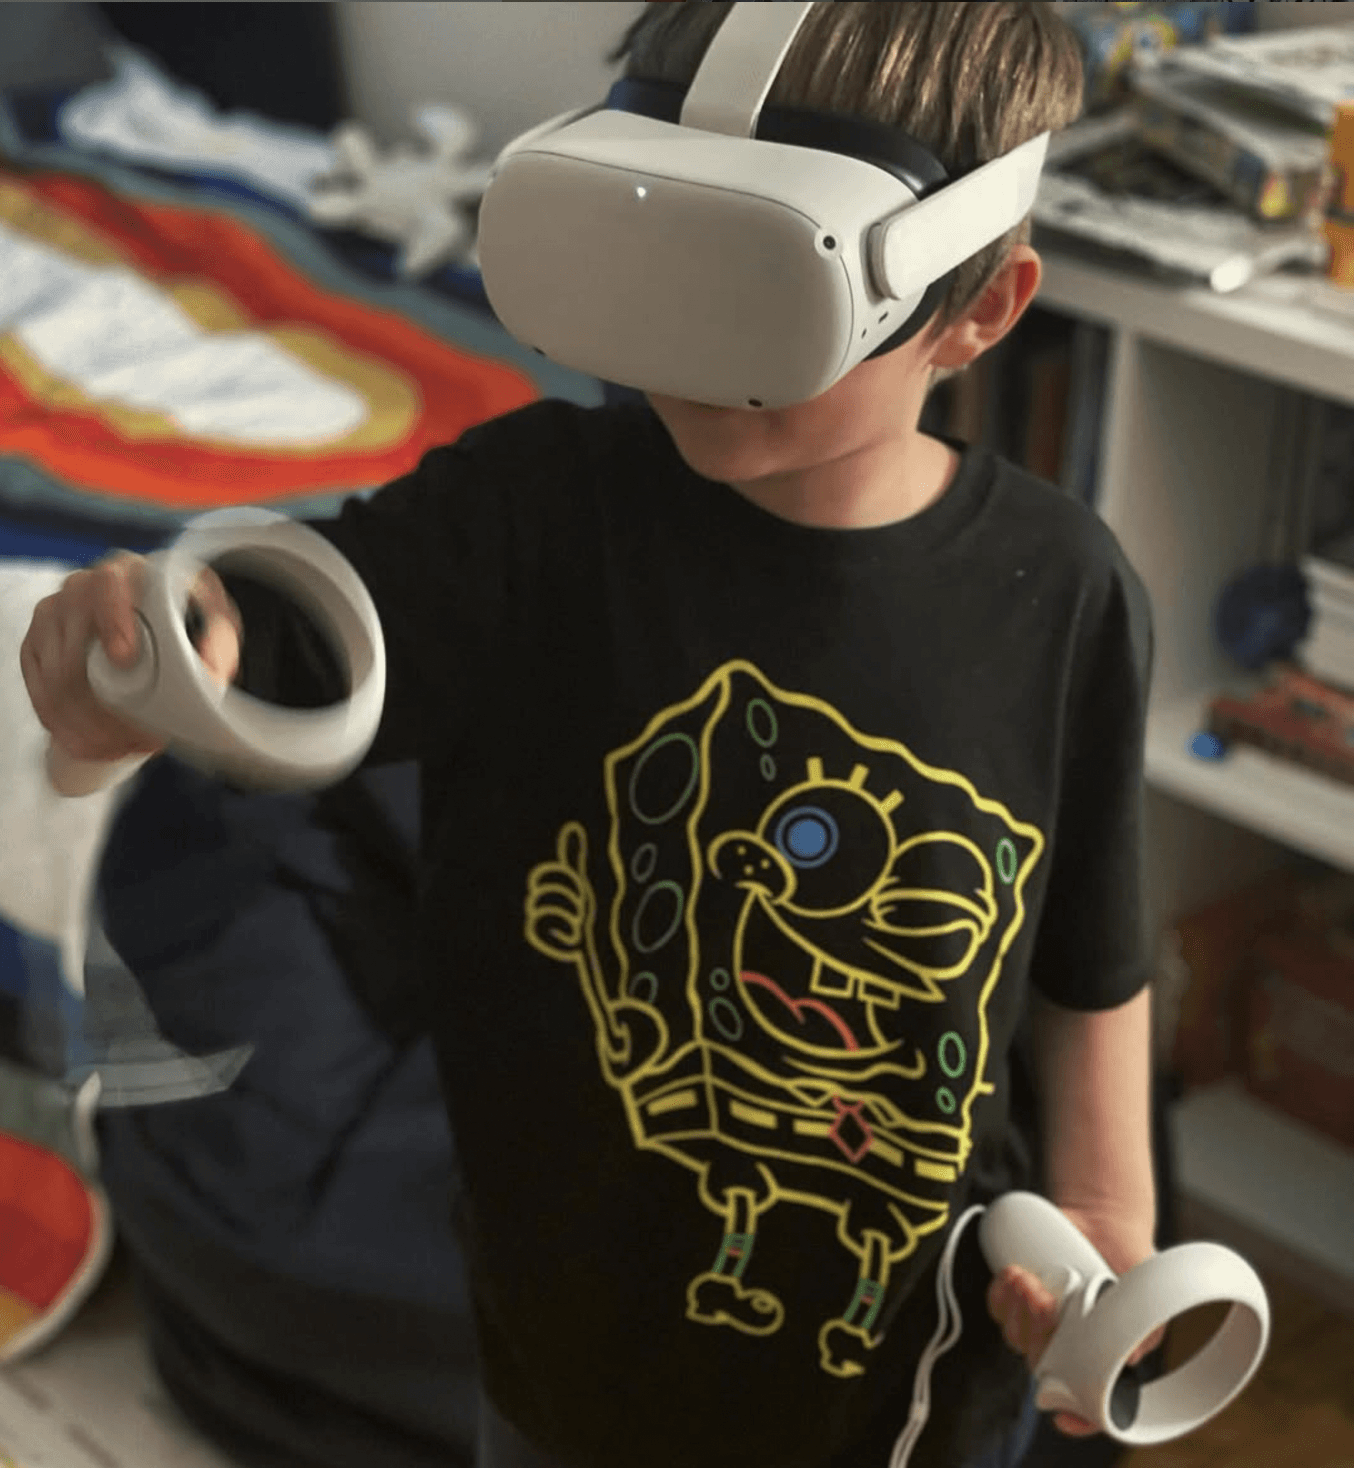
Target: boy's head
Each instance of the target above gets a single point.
(970, 81)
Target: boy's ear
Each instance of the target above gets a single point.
(1002, 303)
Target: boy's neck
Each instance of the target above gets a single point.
(879, 485)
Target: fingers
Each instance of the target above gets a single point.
(214, 627)
(97, 603)
(1027, 1312)
(114, 594)
(572, 848)
(1025, 1309)
(1146, 1347)
(219, 630)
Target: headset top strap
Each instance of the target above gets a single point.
(741, 62)
(889, 148)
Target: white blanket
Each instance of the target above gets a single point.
(49, 845)
(141, 115)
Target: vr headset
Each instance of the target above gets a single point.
(688, 241)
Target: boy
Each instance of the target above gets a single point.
(778, 769)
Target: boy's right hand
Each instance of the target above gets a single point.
(99, 604)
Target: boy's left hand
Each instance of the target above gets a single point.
(1027, 1311)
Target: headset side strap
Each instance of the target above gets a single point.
(924, 240)
(729, 87)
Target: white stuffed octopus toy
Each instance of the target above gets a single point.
(415, 199)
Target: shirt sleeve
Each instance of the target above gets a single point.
(430, 548)
(1091, 950)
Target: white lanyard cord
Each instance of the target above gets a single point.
(949, 1324)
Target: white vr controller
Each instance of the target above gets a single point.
(169, 692)
(1104, 1317)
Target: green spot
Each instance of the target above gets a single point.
(686, 771)
(662, 926)
(725, 1017)
(761, 722)
(952, 1054)
(643, 862)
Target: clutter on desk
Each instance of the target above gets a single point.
(1290, 614)
(1216, 162)
(1259, 986)
(1107, 191)
(1309, 72)
(1268, 161)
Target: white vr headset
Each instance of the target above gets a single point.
(690, 242)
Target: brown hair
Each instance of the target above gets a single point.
(969, 79)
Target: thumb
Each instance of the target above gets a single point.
(215, 627)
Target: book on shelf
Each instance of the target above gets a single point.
(1337, 614)
(1079, 471)
(1332, 564)
(1328, 655)
(1328, 651)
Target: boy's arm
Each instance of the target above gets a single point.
(1093, 1071)
(1094, 1075)
(1093, 1066)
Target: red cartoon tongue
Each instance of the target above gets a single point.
(805, 1010)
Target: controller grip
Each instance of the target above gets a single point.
(1027, 1230)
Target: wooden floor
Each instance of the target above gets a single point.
(1298, 1411)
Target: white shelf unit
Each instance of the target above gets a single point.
(1312, 1210)
(1191, 405)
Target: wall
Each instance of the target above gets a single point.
(513, 64)
(1279, 14)
(510, 65)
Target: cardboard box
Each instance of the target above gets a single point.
(1339, 223)
(1216, 947)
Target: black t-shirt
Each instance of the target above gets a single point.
(743, 845)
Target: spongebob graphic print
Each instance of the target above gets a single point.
(789, 968)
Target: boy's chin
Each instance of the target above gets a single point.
(718, 443)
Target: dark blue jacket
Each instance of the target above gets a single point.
(293, 1231)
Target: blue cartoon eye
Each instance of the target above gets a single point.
(807, 836)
